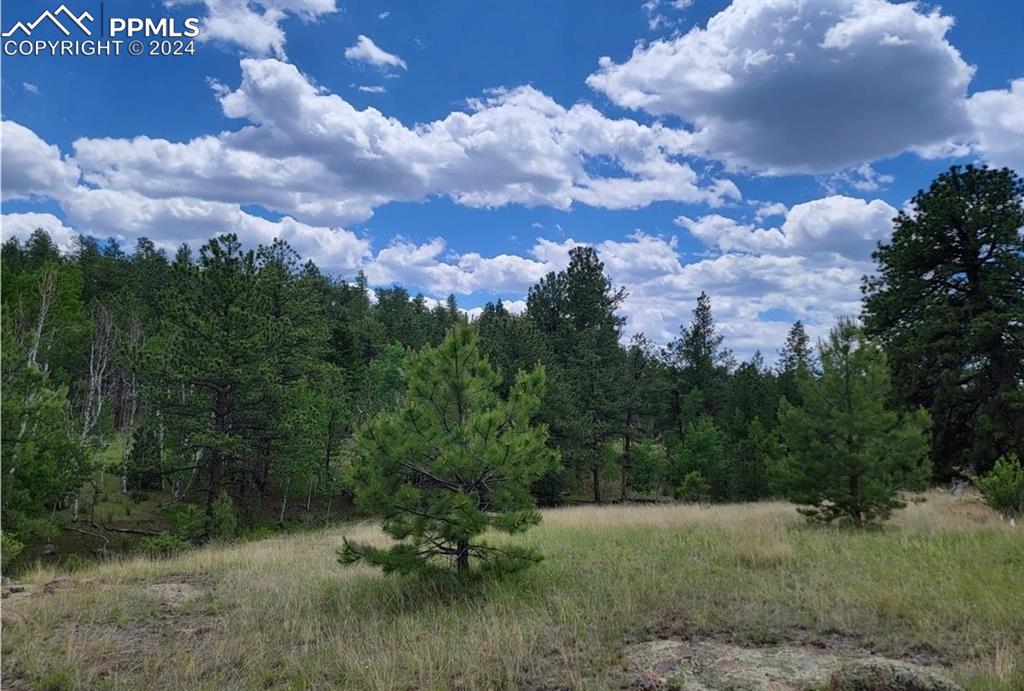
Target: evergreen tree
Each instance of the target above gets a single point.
(848, 453)
(575, 313)
(453, 461)
(703, 451)
(701, 359)
(947, 304)
(795, 361)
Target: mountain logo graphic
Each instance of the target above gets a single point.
(29, 27)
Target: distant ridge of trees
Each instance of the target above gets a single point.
(238, 377)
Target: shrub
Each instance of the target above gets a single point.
(649, 468)
(224, 520)
(75, 562)
(189, 521)
(10, 548)
(164, 545)
(693, 488)
(1003, 486)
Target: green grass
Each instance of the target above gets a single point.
(943, 582)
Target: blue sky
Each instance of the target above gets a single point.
(755, 150)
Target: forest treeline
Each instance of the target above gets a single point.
(234, 379)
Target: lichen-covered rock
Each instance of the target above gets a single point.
(707, 665)
(879, 674)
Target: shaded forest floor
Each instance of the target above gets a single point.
(940, 586)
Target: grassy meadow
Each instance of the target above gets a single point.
(944, 582)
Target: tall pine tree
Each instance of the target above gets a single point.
(947, 304)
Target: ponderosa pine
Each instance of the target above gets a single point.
(453, 461)
(849, 454)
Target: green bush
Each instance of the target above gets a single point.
(1003, 486)
(75, 562)
(10, 548)
(189, 521)
(164, 545)
(224, 521)
(693, 488)
(649, 468)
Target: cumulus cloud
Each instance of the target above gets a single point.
(837, 224)
(254, 25)
(365, 50)
(171, 221)
(22, 225)
(31, 167)
(998, 118)
(795, 87)
(311, 154)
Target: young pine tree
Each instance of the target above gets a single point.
(453, 461)
(703, 452)
(849, 454)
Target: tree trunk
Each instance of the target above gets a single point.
(627, 459)
(462, 558)
(284, 505)
(597, 484)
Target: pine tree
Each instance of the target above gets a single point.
(700, 358)
(795, 360)
(947, 305)
(848, 453)
(453, 461)
(703, 452)
(575, 313)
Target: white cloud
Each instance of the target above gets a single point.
(173, 220)
(791, 86)
(30, 88)
(839, 225)
(365, 50)
(770, 209)
(372, 89)
(30, 166)
(863, 177)
(312, 155)
(660, 12)
(998, 118)
(384, 15)
(22, 225)
(254, 25)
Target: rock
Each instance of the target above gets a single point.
(707, 665)
(714, 666)
(879, 674)
(57, 583)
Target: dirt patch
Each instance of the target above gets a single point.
(176, 593)
(709, 665)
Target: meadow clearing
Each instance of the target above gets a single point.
(942, 583)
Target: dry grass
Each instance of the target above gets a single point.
(944, 581)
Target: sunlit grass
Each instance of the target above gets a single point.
(944, 580)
